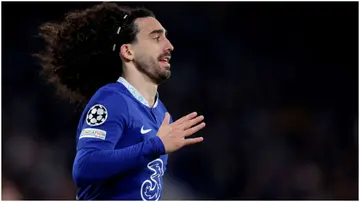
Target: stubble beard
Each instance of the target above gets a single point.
(152, 69)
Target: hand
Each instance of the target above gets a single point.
(173, 135)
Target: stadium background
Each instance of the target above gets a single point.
(277, 83)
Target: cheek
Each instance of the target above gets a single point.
(147, 58)
(148, 51)
(141, 55)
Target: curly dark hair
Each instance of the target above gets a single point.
(78, 57)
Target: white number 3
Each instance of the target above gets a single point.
(151, 189)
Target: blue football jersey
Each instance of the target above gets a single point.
(119, 156)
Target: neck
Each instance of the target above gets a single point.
(141, 83)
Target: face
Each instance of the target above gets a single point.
(152, 50)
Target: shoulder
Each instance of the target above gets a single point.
(109, 93)
(109, 101)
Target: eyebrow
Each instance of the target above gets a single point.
(158, 31)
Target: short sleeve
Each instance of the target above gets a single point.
(103, 122)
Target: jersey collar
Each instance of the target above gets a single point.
(136, 93)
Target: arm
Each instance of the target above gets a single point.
(94, 165)
(96, 159)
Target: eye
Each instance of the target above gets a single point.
(157, 38)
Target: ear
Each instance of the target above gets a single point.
(126, 52)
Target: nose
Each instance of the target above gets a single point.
(169, 46)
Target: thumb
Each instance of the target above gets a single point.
(166, 120)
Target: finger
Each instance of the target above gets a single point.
(194, 129)
(166, 120)
(186, 125)
(184, 118)
(191, 141)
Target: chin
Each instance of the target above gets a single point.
(164, 76)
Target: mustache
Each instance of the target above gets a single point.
(167, 54)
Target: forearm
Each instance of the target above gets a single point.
(95, 165)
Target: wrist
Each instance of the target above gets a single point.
(154, 147)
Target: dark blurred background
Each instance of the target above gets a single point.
(276, 81)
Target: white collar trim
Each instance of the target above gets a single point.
(137, 94)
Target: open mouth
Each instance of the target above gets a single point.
(165, 60)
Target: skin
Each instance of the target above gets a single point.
(151, 51)
(145, 69)
(143, 65)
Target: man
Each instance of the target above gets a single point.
(113, 59)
